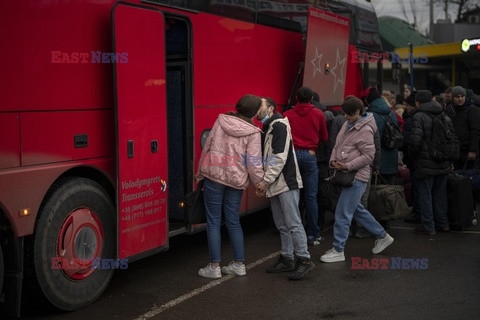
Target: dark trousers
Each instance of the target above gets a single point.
(432, 201)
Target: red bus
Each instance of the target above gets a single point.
(104, 106)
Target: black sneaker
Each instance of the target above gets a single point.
(301, 268)
(282, 265)
(422, 230)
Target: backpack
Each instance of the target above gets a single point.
(444, 144)
(391, 137)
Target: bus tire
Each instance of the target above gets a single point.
(76, 227)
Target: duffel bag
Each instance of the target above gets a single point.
(387, 202)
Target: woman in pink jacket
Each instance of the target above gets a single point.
(354, 150)
(231, 158)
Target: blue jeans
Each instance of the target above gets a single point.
(364, 202)
(288, 222)
(217, 197)
(432, 201)
(307, 164)
(348, 208)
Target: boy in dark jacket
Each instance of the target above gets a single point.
(430, 175)
(466, 121)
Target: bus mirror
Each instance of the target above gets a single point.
(204, 136)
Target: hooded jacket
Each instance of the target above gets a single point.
(389, 157)
(332, 137)
(466, 121)
(355, 146)
(232, 154)
(418, 154)
(280, 165)
(308, 126)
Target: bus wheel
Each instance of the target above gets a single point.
(76, 229)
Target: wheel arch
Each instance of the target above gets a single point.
(92, 173)
(87, 172)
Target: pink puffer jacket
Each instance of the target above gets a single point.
(232, 154)
(355, 146)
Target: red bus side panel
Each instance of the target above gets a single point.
(141, 130)
(9, 147)
(49, 137)
(233, 58)
(52, 68)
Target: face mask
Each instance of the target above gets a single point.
(265, 118)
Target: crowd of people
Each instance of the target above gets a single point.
(308, 143)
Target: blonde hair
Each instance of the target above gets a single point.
(386, 100)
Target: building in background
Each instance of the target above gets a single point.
(444, 63)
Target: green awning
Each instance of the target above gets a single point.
(397, 33)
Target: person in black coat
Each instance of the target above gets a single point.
(430, 175)
(466, 121)
(407, 130)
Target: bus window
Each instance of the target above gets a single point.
(176, 38)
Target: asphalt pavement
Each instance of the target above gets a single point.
(417, 277)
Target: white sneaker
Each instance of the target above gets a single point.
(234, 268)
(332, 255)
(209, 272)
(382, 244)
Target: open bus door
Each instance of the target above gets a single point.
(141, 125)
(326, 55)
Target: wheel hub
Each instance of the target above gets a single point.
(80, 242)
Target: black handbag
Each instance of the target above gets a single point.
(194, 206)
(343, 178)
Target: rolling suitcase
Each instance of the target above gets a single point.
(460, 202)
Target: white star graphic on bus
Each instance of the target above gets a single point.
(338, 79)
(316, 62)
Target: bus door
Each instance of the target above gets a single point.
(178, 41)
(141, 129)
(326, 55)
